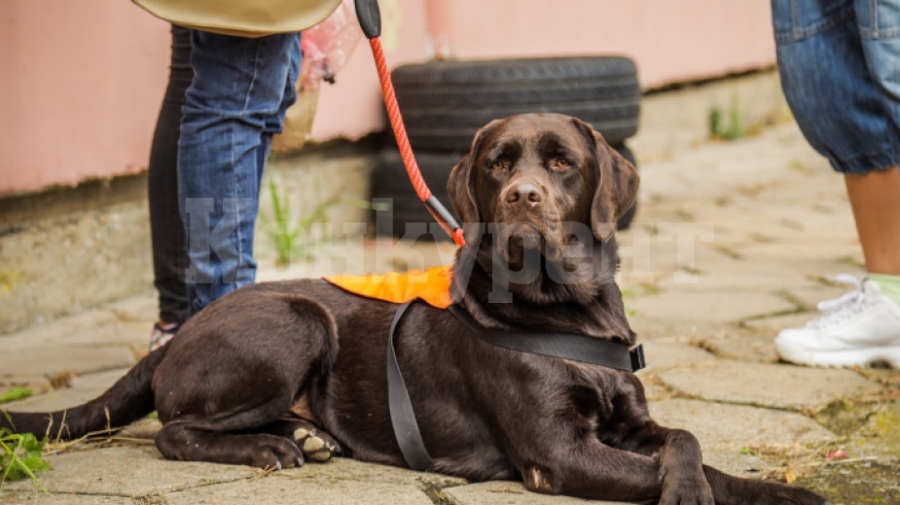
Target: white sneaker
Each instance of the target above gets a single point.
(859, 328)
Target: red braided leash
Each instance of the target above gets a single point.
(438, 211)
(393, 110)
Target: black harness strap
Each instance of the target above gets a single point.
(558, 345)
(403, 418)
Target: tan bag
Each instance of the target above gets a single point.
(242, 18)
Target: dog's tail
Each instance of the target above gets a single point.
(129, 399)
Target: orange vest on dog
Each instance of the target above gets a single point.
(431, 286)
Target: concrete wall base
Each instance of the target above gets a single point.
(68, 250)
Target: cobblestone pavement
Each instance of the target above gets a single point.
(733, 241)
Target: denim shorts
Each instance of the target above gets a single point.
(839, 62)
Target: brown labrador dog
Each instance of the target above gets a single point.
(277, 373)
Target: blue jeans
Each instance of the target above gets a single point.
(235, 103)
(839, 62)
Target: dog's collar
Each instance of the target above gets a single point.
(558, 345)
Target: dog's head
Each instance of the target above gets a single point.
(548, 190)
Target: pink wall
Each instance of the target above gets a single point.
(671, 41)
(351, 107)
(80, 86)
(81, 81)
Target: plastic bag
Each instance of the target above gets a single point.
(327, 47)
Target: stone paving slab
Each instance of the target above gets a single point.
(732, 462)
(81, 389)
(349, 469)
(717, 307)
(51, 330)
(738, 276)
(92, 471)
(769, 217)
(276, 489)
(128, 471)
(663, 249)
(77, 359)
(744, 342)
(650, 328)
(661, 355)
(132, 334)
(770, 326)
(736, 427)
(826, 248)
(731, 436)
(36, 498)
(508, 493)
(774, 386)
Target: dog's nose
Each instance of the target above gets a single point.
(525, 192)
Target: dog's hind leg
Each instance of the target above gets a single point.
(232, 432)
(282, 443)
(236, 368)
(184, 441)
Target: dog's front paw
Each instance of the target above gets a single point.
(686, 491)
(316, 444)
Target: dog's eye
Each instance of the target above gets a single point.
(560, 163)
(500, 165)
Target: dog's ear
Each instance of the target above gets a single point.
(461, 185)
(617, 185)
(460, 189)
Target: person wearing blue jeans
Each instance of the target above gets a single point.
(235, 103)
(166, 230)
(839, 62)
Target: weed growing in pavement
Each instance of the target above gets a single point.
(734, 129)
(21, 456)
(295, 237)
(14, 394)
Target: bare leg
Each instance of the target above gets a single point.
(875, 199)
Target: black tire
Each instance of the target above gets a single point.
(389, 178)
(390, 182)
(625, 221)
(444, 103)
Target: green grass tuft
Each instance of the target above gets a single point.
(15, 394)
(21, 456)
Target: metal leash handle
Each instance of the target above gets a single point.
(370, 20)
